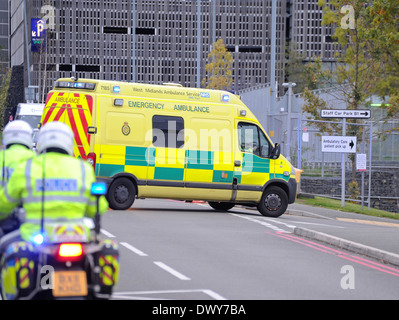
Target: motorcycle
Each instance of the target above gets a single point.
(67, 260)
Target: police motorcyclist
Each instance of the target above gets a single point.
(53, 183)
(17, 145)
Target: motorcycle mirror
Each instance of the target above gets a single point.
(98, 188)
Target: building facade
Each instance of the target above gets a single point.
(95, 39)
(307, 33)
(4, 36)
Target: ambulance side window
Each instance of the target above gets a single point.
(167, 131)
(252, 140)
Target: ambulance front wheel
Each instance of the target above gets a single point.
(121, 194)
(221, 206)
(274, 202)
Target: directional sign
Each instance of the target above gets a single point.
(345, 113)
(338, 144)
(38, 35)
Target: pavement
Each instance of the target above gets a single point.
(367, 235)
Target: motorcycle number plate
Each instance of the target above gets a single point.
(69, 283)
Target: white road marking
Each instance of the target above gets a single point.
(171, 270)
(133, 249)
(263, 223)
(107, 234)
(126, 294)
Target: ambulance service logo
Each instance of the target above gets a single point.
(125, 129)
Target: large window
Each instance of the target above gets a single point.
(167, 131)
(252, 140)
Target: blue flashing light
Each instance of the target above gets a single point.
(98, 188)
(225, 98)
(79, 85)
(38, 239)
(116, 89)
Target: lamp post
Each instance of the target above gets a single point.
(289, 85)
(27, 44)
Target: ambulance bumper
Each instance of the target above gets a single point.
(292, 187)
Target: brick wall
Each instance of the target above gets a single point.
(384, 187)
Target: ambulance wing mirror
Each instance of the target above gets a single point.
(275, 153)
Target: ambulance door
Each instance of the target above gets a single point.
(166, 164)
(253, 165)
(75, 110)
(210, 158)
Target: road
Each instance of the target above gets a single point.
(187, 251)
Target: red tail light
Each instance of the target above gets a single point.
(70, 252)
(91, 158)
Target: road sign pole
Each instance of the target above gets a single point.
(343, 167)
(371, 139)
(363, 151)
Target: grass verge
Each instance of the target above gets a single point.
(349, 207)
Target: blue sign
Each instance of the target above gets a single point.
(38, 35)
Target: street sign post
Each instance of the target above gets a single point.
(345, 113)
(343, 145)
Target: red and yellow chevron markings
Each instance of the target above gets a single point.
(75, 110)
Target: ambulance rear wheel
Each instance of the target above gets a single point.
(221, 206)
(274, 202)
(121, 194)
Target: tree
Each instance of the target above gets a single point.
(383, 33)
(356, 71)
(219, 69)
(4, 102)
(302, 70)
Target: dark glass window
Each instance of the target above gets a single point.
(167, 131)
(252, 140)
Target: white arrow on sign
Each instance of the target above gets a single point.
(338, 144)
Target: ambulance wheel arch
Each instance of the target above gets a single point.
(122, 192)
(274, 201)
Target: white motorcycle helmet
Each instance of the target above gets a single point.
(55, 135)
(18, 132)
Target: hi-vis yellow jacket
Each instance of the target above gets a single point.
(66, 183)
(10, 158)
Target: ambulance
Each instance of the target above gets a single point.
(31, 113)
(171, 142)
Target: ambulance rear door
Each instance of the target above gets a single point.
(75, 110)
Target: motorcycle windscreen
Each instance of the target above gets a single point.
(75, 110)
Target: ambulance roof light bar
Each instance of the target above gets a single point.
(75, 85)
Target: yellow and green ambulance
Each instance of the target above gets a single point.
(167, 141)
